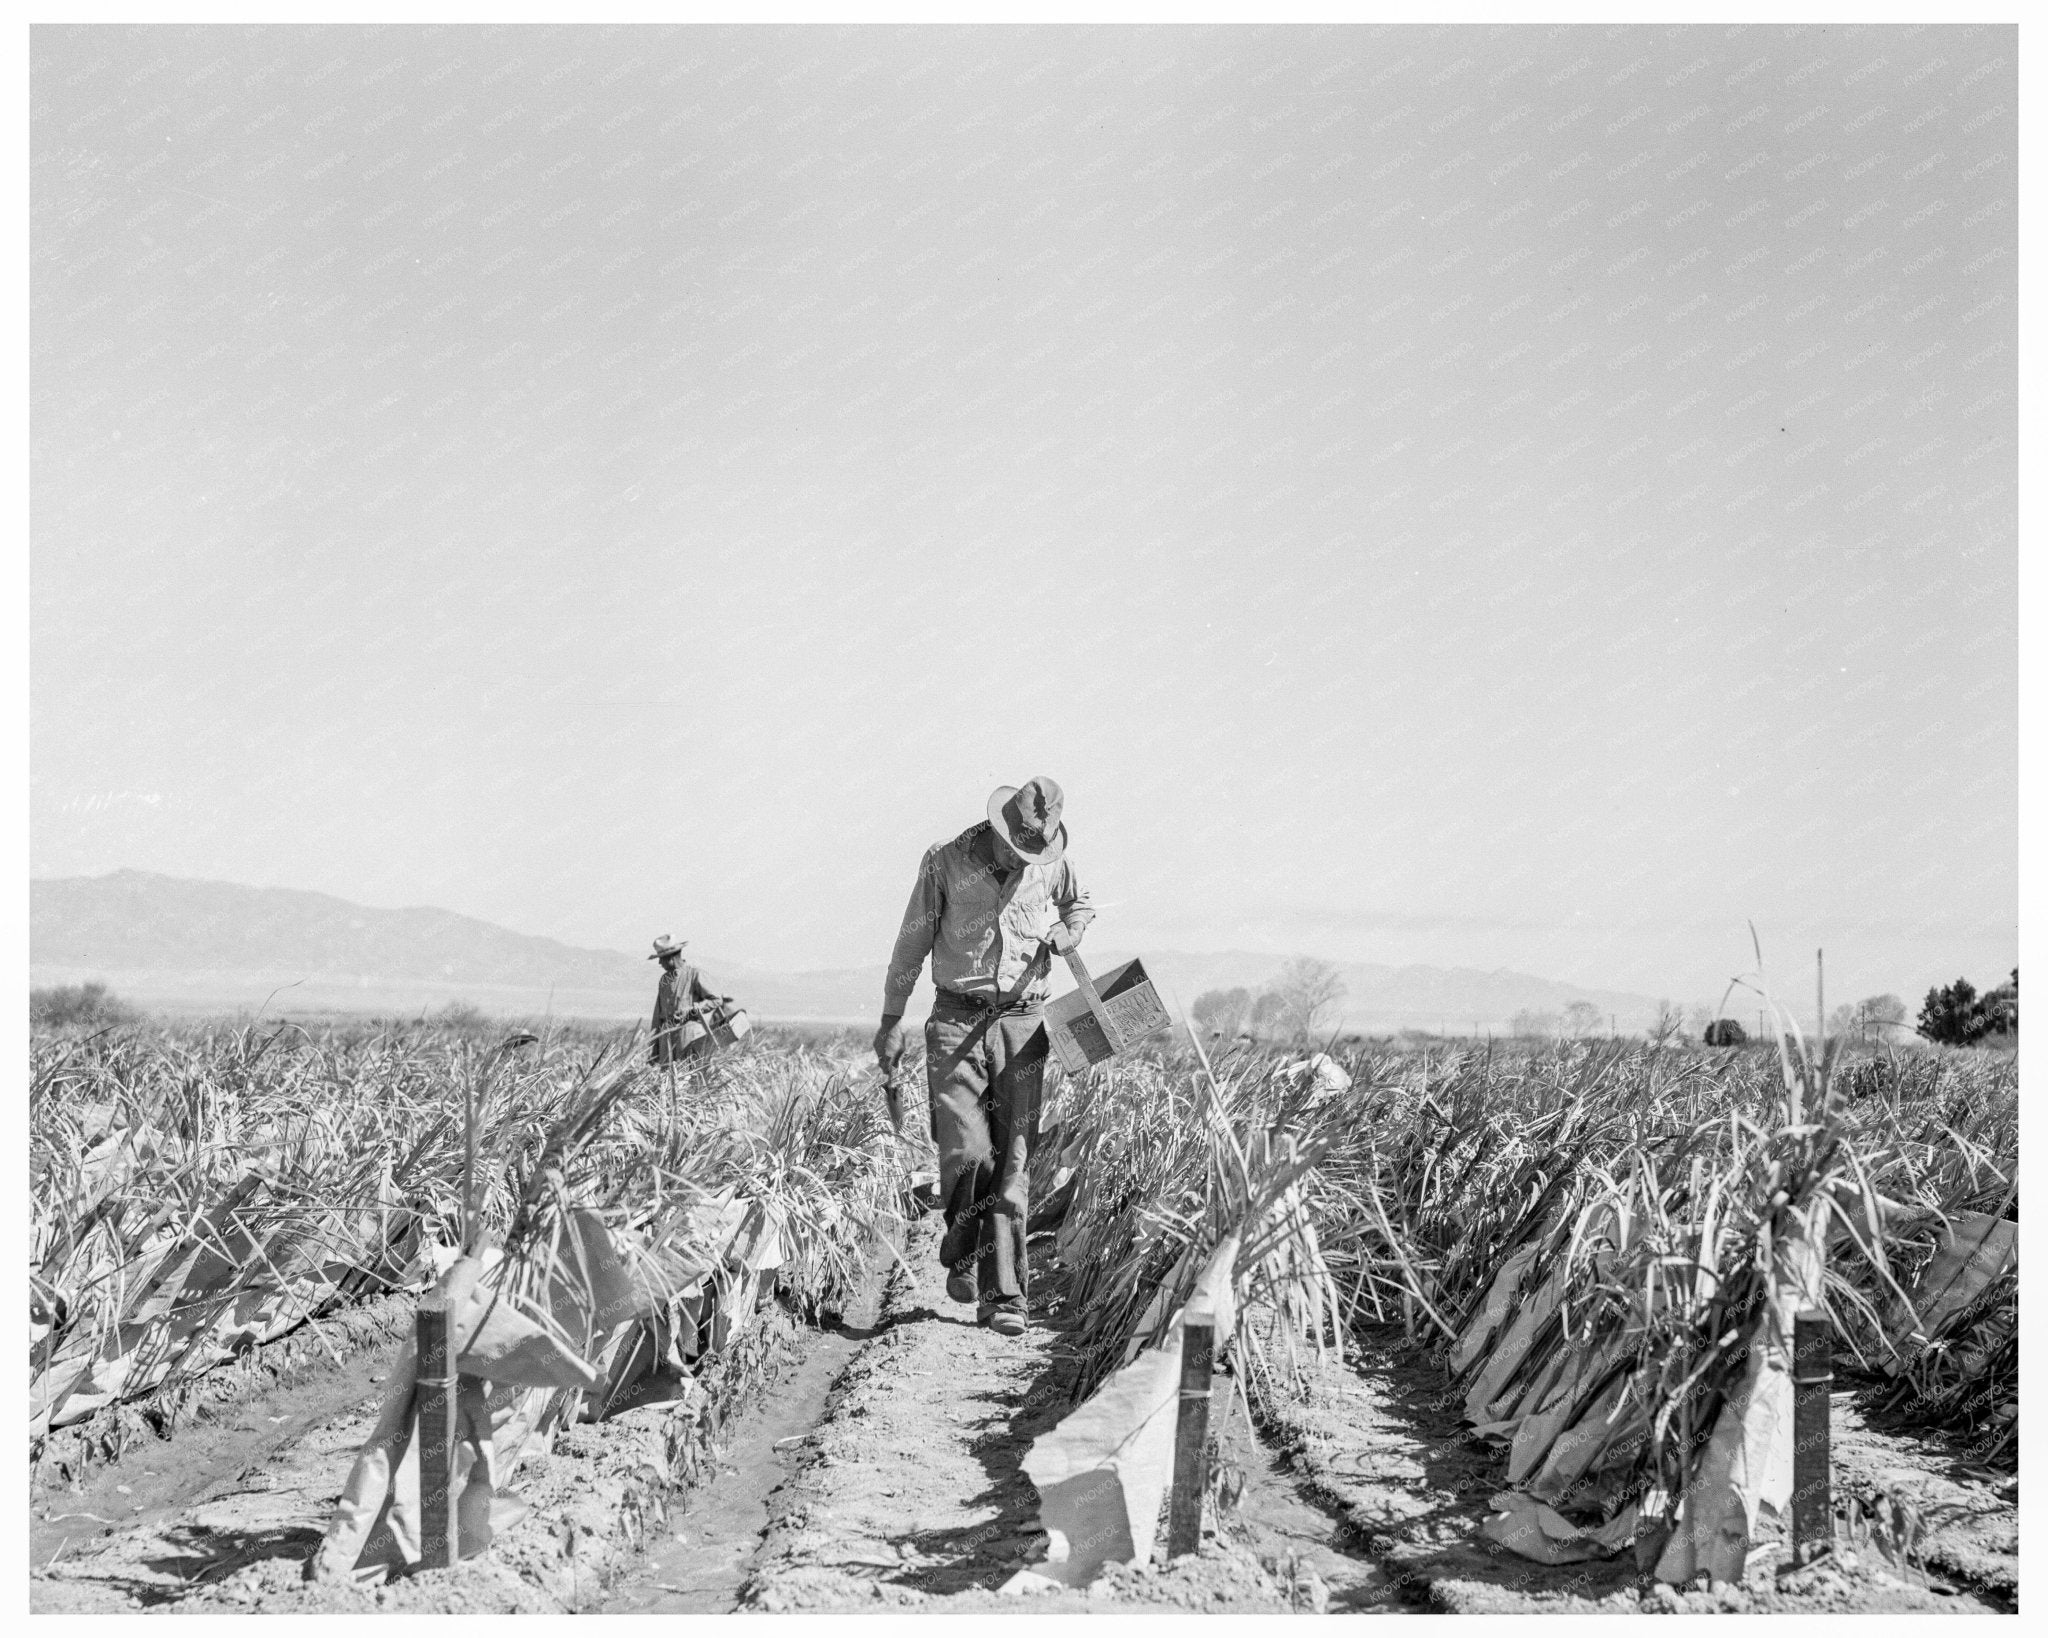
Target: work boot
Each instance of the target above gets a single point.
(961, 1284)
(1005, 1319)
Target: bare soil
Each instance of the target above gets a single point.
(911, 1492)
(147, 1466)
(233, 1535)
(166, 1525)
(1380, 1440)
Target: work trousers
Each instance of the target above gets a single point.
(986, 1086)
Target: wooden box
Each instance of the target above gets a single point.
(706, 1029)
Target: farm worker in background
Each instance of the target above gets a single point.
(982, 905)
(680, 988)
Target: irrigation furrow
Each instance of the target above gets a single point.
(704, 1560)
(1379, 1441)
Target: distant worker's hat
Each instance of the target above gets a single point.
(1028, 816)
(666, 946)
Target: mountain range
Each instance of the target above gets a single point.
(198, 946)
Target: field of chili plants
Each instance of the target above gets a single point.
(1601, 1245)
(200, 1191)
(1594, 1247)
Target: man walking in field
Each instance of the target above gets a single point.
(988, 907)
(680, 989)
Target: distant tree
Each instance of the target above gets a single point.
(1222, 1012)
(1581, 1018)
(2002, 1007)
(1876, 1016)
(1309, 991)
(1956, 1015)
(79, 1006)
(1667, 1023)
(462, 1015)
(1699, 1018)
(1952, 1016)
(1529, 1022)
(1264, 1018)
(1724, 1032)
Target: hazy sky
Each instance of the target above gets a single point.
(1478, 496)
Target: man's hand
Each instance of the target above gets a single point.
(1063, 939)
(889, 1043)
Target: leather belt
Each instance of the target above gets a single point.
(977, 1004)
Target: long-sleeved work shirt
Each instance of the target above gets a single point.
(979, 928)
(674, 993)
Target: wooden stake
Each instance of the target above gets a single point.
(437, 1411)
(434, 1405)
(1191, 1436)
(1813, 1510)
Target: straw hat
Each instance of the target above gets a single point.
(1028, 817)
(666, 946)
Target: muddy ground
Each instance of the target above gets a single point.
(876, 1464)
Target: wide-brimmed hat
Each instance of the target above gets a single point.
(1028, 818)
(666, 946)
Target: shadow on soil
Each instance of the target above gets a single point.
(851, 1333)
(1287, 1523)
(213, 1554)
(922, 1316)
(989, 1553)
(1460, 1474)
